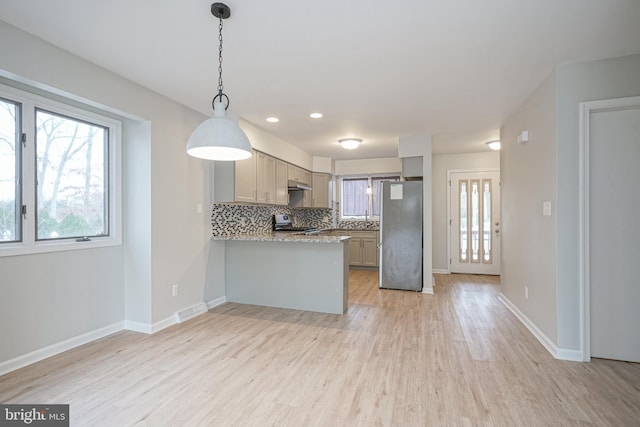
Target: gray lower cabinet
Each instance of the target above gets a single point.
(363, 248)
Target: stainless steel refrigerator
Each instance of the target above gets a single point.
(401, 235)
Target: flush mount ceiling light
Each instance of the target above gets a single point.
(315, 115)
(219, 138)
(273, 119)
(494, 145)
(350, 143)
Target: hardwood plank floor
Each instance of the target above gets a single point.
(397, 358)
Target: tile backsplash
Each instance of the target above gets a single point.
(233, 218)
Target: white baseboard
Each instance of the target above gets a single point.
(440, 271)
(216, 302)
(540, 336)
(429, 289)
(57, 348)
(569, 355)
(145, 328)
(150, 328)
(558, 353)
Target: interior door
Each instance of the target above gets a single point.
(474, 222)
(614, 233)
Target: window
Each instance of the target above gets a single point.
(59, 183)
(9, 167)
(360, 196)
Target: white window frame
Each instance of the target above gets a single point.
(29, 245)
(370, 201)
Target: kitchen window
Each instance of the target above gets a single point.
(360, 196)
(59, 176)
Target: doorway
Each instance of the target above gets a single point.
(610, 143)
(474, 222)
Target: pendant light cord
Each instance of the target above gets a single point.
(220, 94)
(220, 59)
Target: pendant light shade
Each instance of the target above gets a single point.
(219, 138)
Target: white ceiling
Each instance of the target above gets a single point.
(377, 69)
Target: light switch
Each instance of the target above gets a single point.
(199, 208)
(546, 208)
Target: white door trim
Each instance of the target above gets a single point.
(448, 191)
(586, 108)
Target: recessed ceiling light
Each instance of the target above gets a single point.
(273, 119)
(315, 115)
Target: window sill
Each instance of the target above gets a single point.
(20, 249)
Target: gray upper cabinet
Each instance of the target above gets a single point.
(245, 179)
(322, 191)
(282, 192)
(265, 178)
(258, 179)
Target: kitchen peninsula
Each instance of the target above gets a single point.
(297, 271)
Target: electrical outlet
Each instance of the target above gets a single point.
(174, 290)
(526, 292)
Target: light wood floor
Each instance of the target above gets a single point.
(397, 358)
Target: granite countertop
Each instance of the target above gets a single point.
(283, 237)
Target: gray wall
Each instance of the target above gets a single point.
(48, 298)
(542, 252)
(576, 83)
(527, 179)
(441, 164)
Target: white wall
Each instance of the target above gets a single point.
(442, 163)
(270, 144)
(48, 298)
(527, 179)
(368, 166)
(576, 83)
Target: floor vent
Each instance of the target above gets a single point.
(191, 312)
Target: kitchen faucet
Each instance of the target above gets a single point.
(366, 218)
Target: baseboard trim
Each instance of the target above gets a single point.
(540, 336)
(57, 348)
(150, 328)
(440, 271)
(569, 355)
(216, 302)
(429, 289)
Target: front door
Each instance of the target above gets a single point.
(474, 222)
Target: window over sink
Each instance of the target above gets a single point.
(360, 196)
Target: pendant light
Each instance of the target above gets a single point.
(219, 138)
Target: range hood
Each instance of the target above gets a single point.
(295, 186)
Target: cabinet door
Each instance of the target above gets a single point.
(282, 193)
(294, 173)
(245, 179)
(321, 190)
(355, 251)
(305, 177)
(370, 252)
(265, 178)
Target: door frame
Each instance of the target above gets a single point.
(584, 284)
(448, 190)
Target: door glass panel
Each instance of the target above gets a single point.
(486, 223)
(463, 232)
(475, 221)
